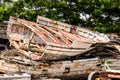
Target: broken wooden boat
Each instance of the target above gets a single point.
(41, 42)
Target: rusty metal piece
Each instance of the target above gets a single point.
(113, 75)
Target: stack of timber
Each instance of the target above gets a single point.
(111, 69)
(112, 64)
(3, 28)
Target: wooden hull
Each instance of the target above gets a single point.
(38, 41)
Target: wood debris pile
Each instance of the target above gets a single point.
(52, 48)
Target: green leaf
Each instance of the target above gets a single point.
(102, 6)
(79, 0)
(106, 1)
(118, 6)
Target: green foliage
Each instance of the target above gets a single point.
(101, 15)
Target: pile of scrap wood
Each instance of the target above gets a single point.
(52, 48)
